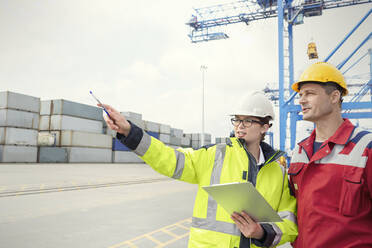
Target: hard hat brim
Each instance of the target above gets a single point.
(295, 86)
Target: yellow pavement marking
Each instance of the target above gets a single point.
(74, 184)
(131, 244)
(153, 239)
(170, 233)
(158, 243)
(42, 186)
(173, 240)
(182, 226)
(21, 190)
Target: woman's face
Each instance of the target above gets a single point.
(249, 128)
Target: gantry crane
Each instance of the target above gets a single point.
(206, 22)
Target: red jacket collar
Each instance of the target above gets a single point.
(341, 136)
(343, 133)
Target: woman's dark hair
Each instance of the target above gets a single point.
(265, 120)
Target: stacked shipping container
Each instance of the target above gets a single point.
(176, 137)
(78, 131)
(222, 140)
(61, 131)
(196, 139)
(47, 141)
(19, 121)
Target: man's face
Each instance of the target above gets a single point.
(249, 131)
(315, 102)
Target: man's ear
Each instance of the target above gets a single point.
(335, 96)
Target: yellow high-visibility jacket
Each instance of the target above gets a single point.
(211, 224)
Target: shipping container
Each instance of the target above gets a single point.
(109, 131)
(18, 118)
(18, 136)
(185, 142)
(132, 118)
(152, 126)
(64, 122)
(44, 123)
(85, 139)
(222, 140)
(125, 157)
(46, 107)
(88, 155)
(64, 107)
(188, 135)
(46, 138)
(57, 134)
(175, 141)
(18, 154)
(196, 136)
(165, 129)
(165, 138)
(132, 115)
(12, 100)
(52, 155)
(176, 132)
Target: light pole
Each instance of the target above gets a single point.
(203, 68)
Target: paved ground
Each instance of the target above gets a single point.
(92, 205)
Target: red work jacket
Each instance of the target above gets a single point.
(333, 188)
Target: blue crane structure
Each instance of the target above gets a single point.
(206, 22)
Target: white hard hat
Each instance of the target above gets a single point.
(255, 104)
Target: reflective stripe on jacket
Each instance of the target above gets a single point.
(334, 189)
(211, 224)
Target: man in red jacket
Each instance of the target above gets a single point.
(331, 170)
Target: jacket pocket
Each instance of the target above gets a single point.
(294, 169)
(352, 198)
(295, 177)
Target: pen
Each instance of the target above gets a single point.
(104, 109)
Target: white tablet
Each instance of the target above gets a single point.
(236, 197)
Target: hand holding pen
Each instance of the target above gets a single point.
(99, 102)
(114, 119)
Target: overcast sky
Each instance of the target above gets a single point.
(136, 56)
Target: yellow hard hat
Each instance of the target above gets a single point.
(322, 72)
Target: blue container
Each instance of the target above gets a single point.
(153, 134)
(52, 155)
(118, 146)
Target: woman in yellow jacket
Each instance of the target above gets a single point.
(244, 158)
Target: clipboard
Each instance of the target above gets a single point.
(236, 197)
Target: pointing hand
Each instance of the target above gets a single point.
(117, 122)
